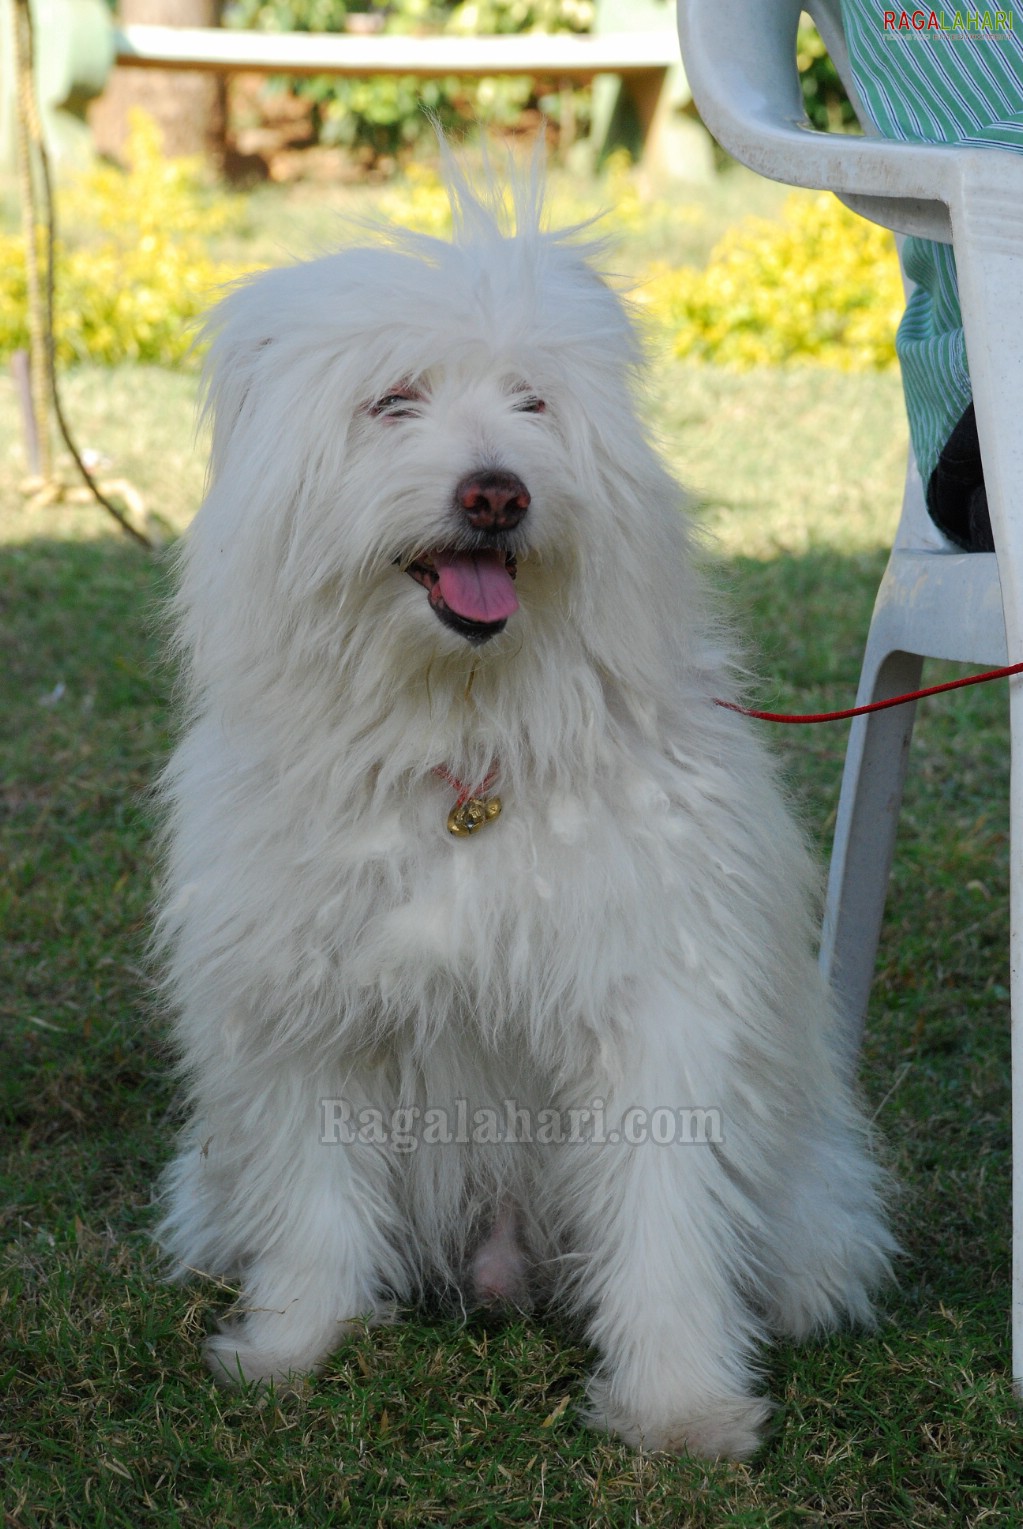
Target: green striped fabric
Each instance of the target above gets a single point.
(939, 75)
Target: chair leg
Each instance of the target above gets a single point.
(1016, 1021)
(868, 817)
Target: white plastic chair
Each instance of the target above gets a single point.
(934, 601)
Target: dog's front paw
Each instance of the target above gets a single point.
(233, 1359)
(285, 1345)
(726, 1428)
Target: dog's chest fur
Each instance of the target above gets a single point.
(403, 922)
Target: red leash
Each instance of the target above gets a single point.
(474, 808)
(861, 711)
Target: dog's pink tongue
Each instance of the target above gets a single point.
(476, 585)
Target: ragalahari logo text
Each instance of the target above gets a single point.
(975, 22)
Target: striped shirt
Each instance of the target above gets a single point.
(937, 75)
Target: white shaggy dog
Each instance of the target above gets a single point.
(580, 1049)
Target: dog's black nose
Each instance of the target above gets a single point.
(492, 501)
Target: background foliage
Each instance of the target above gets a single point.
(824, 98)
(134, 271)
(820, 284)
(386, 113)
(133, 267)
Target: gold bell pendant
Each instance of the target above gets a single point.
(473, 814)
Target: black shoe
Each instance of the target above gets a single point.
(956, 496)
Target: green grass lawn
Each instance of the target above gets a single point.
(107, 1416)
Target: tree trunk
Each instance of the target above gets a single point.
(189, 107)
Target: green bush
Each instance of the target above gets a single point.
(824, 98)
(819, 285)
(822, 285)
(382, 115)
(139, 274)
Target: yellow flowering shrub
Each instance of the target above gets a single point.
(822, 285)
(819, 285)
(138, 275)
(420, 201)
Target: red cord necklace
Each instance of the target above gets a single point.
(473, 808)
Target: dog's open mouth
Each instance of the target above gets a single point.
(471, 592)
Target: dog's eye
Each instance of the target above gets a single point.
(530, 404)
(402, 405)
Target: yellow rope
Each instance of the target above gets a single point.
(45, 392)
(29, 133)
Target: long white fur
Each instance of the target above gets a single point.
(637, 927)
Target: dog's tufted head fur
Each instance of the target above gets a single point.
(431, 450)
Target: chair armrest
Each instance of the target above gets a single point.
(740, 60)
